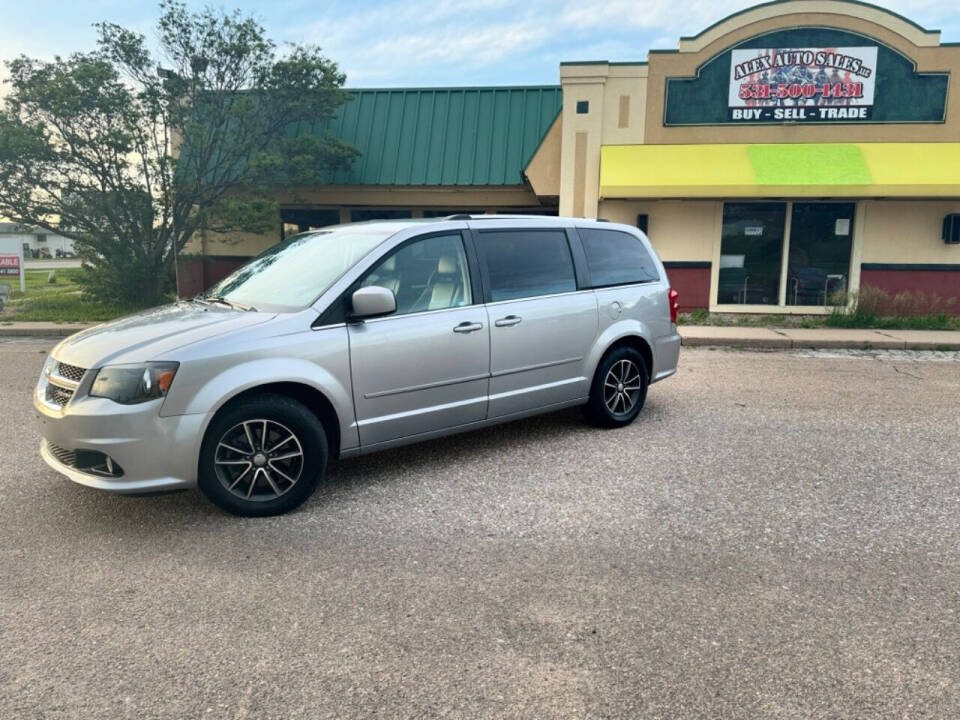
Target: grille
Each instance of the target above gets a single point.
(67, 457)
(57, 395)
(70, 372)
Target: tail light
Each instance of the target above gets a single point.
(674, 305)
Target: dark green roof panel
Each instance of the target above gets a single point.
(443, 136)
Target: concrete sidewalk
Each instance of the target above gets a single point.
(693, 335)
(785, 338)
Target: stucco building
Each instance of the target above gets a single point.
(790, 152)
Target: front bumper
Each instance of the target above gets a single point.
(156, 453)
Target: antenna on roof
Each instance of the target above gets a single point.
(459, 216)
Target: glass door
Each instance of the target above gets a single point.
(818, 267)
(751, 253)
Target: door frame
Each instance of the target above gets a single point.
(341, 307)
(339, 311)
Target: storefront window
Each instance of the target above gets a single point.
(751, 253)
(820, 239)
(817, 240)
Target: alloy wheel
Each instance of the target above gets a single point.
(259, 460)
(621, 387)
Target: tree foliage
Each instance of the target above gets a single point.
(130, 149)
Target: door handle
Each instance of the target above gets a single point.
(468, 327)
(508, 321)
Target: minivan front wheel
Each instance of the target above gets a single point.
(619, 388)
(262, 455)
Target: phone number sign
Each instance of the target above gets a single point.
(802, 84)
(9, 264)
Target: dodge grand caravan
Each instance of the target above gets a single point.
(357, 338)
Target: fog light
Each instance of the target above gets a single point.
(97, 463)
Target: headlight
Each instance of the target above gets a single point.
(44, 374)
(132, 384)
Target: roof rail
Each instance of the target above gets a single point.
(497, 216)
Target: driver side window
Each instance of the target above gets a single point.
(428, 274)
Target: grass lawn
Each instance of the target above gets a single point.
(60, 301)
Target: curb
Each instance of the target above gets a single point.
(800, 344)
(27, 330)
(738, 342)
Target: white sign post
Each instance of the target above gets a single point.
(11, 261)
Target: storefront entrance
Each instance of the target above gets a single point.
(785, 253)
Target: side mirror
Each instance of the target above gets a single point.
(372, 301)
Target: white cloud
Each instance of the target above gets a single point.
(403, 40)
(412, 42)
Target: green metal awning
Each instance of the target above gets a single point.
(442, 136)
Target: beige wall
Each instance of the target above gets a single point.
(205, 242)
(617, 96)
(680, 230)
(543, 172)
(902, 231)
(416, 199)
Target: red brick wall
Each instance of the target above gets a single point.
(692, 281)
(195, 274)
(943, 280)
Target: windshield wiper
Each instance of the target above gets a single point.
(229, 303)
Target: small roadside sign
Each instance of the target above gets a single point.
(11, 262)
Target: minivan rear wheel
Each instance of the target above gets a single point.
(262, 455)
(619, 388)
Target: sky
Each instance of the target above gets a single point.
(392, 43)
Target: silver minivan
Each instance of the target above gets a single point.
(356, 338)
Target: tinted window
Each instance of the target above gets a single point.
(525, 263)
(429, 274)
(616, 258)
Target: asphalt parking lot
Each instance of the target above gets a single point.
(777, 536)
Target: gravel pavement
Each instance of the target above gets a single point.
(778, 535)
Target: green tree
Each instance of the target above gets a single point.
(129, 150)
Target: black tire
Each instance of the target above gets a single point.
(622, 362)
(243, 475)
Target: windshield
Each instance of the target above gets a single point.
(294, 273)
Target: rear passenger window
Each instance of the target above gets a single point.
(616, 258)
(527, 263)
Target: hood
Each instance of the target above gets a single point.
(153, 334)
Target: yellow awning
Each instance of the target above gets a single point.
(789, 170)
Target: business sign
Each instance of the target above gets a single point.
(9, 265)
(805, 76)
(802, 84)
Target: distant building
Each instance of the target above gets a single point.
(36, 242)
